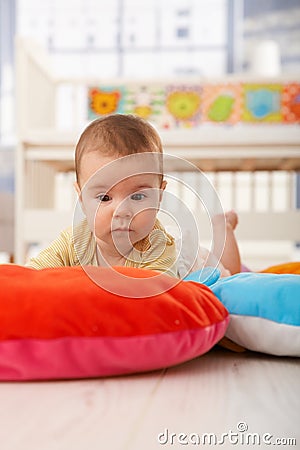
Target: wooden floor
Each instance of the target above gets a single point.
(215, 393)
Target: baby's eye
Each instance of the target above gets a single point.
(103, 198)
(138, 196)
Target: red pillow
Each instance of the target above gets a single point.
(59, 323)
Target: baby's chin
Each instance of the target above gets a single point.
(121, 241)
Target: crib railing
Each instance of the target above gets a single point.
(265, 198)
(262, 191)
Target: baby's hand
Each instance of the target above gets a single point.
(224, 272)
(207, 259)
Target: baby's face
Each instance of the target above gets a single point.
(120, 199)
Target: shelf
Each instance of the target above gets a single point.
(249, 148)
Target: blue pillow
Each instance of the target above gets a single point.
(207, 276)
(264, 310)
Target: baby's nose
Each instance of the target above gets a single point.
(123, 210)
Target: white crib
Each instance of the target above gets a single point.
(253, 168)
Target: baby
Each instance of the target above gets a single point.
(120, 183)
(119, 180)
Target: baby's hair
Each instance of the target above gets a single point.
(117, 134)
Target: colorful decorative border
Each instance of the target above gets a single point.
(105, 100)
(222, 103)
(262, 103)
(291, 103)
(185, 105)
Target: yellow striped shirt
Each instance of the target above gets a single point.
(77, 246)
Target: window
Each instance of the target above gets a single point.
(183, 32)
(130, 38)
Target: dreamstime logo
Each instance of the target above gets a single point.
(113, 210)
(240, 437)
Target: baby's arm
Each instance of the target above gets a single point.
(161, 256)
(56, 255)
(204, 258)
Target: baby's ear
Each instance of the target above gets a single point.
(163, 185)
(162, 188)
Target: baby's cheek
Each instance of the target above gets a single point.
(90, 207)
(146, 219)
(102, 218)
(151, 206)
(94, 215)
